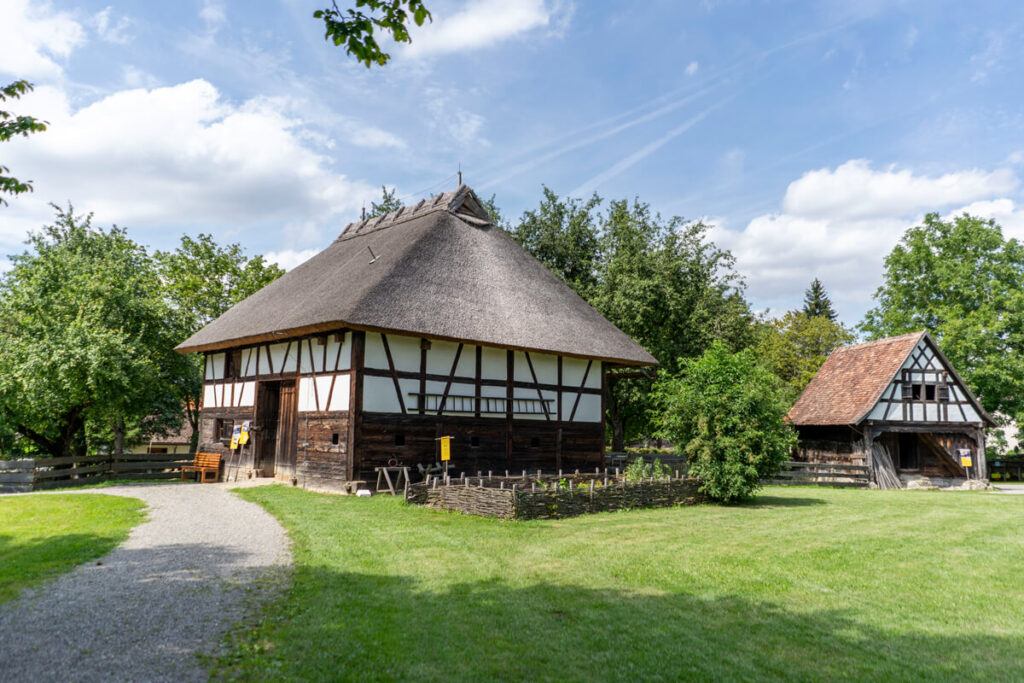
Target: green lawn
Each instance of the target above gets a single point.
(42, 536)
(805, 583)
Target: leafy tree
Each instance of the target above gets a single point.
(726, 414)
(388, 203)
(85, 342)
(202, 280)
(661, 282)
(564, 235)
(817, 303)
(11, 125)
(795, 346)
(354, 29)
(964, 282)
(491, 207)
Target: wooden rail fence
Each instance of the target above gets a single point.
(36, 474)
(822, 474)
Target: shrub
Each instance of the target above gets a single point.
(638, 470)
(726, 413)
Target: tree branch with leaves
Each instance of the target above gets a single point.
(354, 29)
(11, 126)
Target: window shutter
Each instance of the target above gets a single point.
(944, 393)
(906, 389)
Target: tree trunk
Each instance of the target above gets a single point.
(119, 438)
(192, 415)
(613, 413)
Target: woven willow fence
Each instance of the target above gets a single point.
(550, 496)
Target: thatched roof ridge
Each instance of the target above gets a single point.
(438, 269)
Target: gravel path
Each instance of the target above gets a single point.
(203, 559)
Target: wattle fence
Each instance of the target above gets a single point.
(546, 496)
(36, 474)
(822, 474)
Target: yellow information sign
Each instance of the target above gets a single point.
(966, 461)
(236, 434)
(446, 448)
(243, 437)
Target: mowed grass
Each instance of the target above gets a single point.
(805, 584)
(42, 536)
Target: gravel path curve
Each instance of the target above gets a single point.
(201, 561)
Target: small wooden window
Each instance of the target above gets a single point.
(915, 392)
(225, 428)
(399, 439)
(535, 442)
(929, 392)
(334, 439)
(474, 442)
(944, 393)
(233, 364)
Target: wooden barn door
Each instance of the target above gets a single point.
(286, 428)
(268, 407)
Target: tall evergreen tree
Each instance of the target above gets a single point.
(816, 302)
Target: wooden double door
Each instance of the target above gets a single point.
(276, 436)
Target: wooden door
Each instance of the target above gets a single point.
(286, 428)
(268, 406)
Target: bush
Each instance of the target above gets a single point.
(638, 470)
(726, 413)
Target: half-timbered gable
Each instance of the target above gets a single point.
(426, 322)
(894, 402)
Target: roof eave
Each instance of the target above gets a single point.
(282, 335)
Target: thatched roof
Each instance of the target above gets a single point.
(852, 379)
(438, 269)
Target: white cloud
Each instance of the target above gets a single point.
(839, 224)
(33, 36)
(691, 68)
(289, 258)
(855, 190)
(176, 156)
(111, 31)
(483, 23)
(213, 15)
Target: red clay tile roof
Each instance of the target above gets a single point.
(851, 381)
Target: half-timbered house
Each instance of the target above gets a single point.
(895, 400)
(425, 322)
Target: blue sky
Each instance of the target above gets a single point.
(810, 134)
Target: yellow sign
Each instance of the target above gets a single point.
(236, 434)
(966, 461)
(243, 437)
(446, 448)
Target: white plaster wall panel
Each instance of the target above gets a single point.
(521, 371)
(333, 348)
(307, 401)
(546, 367)
(209, 396)
(217, 366)
(379, 395)
(373, 354)
(573, 370)
(410, 388)
(247, 394)
(589, 409)
(441, 356)
(311, 357)
(467, 362)
(262, 364)
(282, 358)
(345, 361)
(457, 404)
(594, 378)
(493, 363)
(207, 367)
(323, 390)
(339, 398)
(405, 352)
(224, 399)
(248, 361)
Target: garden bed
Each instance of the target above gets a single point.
(550, 496)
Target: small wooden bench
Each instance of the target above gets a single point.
(205, 463)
